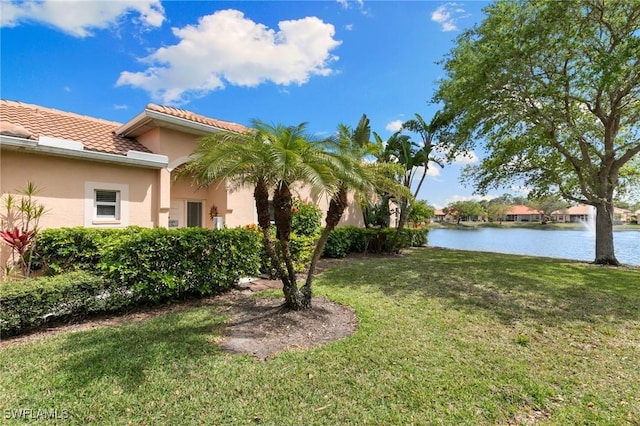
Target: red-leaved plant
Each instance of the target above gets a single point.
(19, 222)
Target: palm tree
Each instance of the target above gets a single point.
(296, 158)
(349, 150)
(269, 157)
(244, 160)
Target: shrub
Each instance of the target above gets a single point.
(159, 264)
(306, 218)
(34, 302)
(70, 249)
(350, 239)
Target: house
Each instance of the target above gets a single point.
(573, 214)
(521, 213)
(583, 213)
(103, 174)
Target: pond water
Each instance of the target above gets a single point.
(561, 244)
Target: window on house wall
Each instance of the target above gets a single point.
(107, 204)
(194, 213)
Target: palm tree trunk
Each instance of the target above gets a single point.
(282, 203)
(261, 195)
(337, 207)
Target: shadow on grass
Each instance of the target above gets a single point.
(510, 287)
(124, 354)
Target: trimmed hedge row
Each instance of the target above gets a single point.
(36, 301)
(109, 270)
(351, 239)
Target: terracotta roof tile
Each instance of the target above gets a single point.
(94, 133)
(197, 118)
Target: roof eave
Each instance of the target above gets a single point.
(135, 127)
(133, 158)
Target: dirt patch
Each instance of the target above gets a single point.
(263, 327)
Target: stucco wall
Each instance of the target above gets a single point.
(62, 183)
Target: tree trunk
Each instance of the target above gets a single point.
(282, 203)
(404, 212)
(605, 253)
(261, 196)
(337, 206)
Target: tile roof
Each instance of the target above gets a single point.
(520, 209)
(94, 133)
(197, 118)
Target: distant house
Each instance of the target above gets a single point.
(573, 214)
(103, 174)
(521, 213)
(582, 213)
(439, 216)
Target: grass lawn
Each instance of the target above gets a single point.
(445, 337)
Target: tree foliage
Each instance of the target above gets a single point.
(552, 90)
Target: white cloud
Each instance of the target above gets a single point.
(468, 158)
(80, 18)
(120, 106)
(346, 4)
(432, 171)
(447, 15)
(394, 125)
(348, 27)
(227, 48)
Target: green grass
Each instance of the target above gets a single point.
(445, 337)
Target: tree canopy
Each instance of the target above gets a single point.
(552, 92)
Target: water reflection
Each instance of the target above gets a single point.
(561, 244)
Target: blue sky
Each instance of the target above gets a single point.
(321, 62)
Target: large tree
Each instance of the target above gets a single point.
(552, 91)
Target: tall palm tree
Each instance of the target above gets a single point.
(414, 156)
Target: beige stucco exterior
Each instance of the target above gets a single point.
(149, 196)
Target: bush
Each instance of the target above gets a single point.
(34, 302)
(156, 264)
(69, 249)
(301, 248)
(306, 219)
(350, 239)
(160, 264)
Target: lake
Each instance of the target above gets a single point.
(561, 244)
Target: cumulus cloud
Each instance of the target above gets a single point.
(394, 126)
(80, 18)
(447, 15)
(227, 48)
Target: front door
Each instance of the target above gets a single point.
(194, 213)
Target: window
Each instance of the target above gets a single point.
(194, 213)
(107, 204)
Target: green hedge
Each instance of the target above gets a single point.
(159, 264)
(107, 270)
(34, 302)
(351, 239)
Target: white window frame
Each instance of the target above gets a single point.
(91, 218)
(115, 204)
